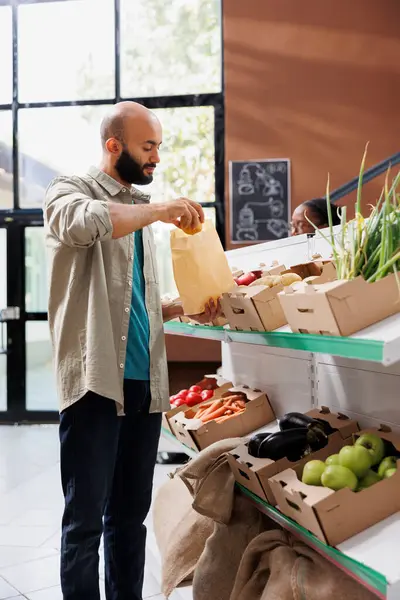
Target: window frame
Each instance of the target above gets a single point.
(16, 219)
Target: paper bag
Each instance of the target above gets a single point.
(201, 270)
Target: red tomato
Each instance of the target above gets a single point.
(258, 274)
(246, 279)
(182, 394)
(207, 394)
(192, 399)
(173, 398)
(180, 401)
(196, 389)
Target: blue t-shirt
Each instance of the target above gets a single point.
(137, 365)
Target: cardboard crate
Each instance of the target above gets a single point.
(254, 308)
(254, 473)
(340, 307)
(222, 386)
(193, 433)
(312, 268)
(336, 516)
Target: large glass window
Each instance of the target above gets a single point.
(41, 393)
(66, 51)
(55, 141)
(36, 289)
(170, 47)
(6, 71)
(6, 160)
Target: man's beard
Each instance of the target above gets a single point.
(131, 171)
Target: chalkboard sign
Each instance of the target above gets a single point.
(259, 200)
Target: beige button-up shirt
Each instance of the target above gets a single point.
(91, 291)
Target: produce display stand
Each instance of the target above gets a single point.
(358, 376)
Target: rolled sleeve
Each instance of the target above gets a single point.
(73, 217)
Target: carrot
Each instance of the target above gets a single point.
(237, 409)
(201, 411)
(219, 412)
(226, 417)
(214, 406)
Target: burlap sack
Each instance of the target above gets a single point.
(210, 481)
(216, 570)
(276, 566)
(181, 534)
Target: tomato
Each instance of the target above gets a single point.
(180, 401)
(258, 274)
(246, 279)
(196, 389)
(192, 399)
(182, 394)
(207, 394)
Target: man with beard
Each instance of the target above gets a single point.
(106, 322)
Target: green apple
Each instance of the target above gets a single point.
(355, 458)
(369, 479)
(333, 459)
(312, 472)
(388, 463)
(389, 473)
(337, 477)
(374, 444)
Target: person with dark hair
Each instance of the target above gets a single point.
(317, 211)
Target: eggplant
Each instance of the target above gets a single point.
(293, 420)
(292, 444)
(255, 441)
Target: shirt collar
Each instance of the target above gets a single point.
(114, 188)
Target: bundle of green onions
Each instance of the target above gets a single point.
(368, 247)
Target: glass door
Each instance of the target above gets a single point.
(3, 325)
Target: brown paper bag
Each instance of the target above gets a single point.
(201, 269)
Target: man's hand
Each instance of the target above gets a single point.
(182, 212)
(213, 310)
(174, 309)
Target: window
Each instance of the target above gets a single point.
(6, 160)
(170, 47)
(41, 393)
(6, 55)
(55, 141)
(66, 51)
(36, 280)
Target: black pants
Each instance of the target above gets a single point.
(107, 468)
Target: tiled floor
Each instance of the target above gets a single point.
(30, 511)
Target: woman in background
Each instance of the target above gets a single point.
(315, 210)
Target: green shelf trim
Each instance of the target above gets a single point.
(368, 577)
(347, 347)
(197, 331)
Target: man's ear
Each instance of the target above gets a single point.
(113, 146)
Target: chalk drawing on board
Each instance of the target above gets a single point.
(260, 200)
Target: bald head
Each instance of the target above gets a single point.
(131, 138)
(124, 116)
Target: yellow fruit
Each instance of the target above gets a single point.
(192, 231)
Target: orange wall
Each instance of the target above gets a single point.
(313, 81)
